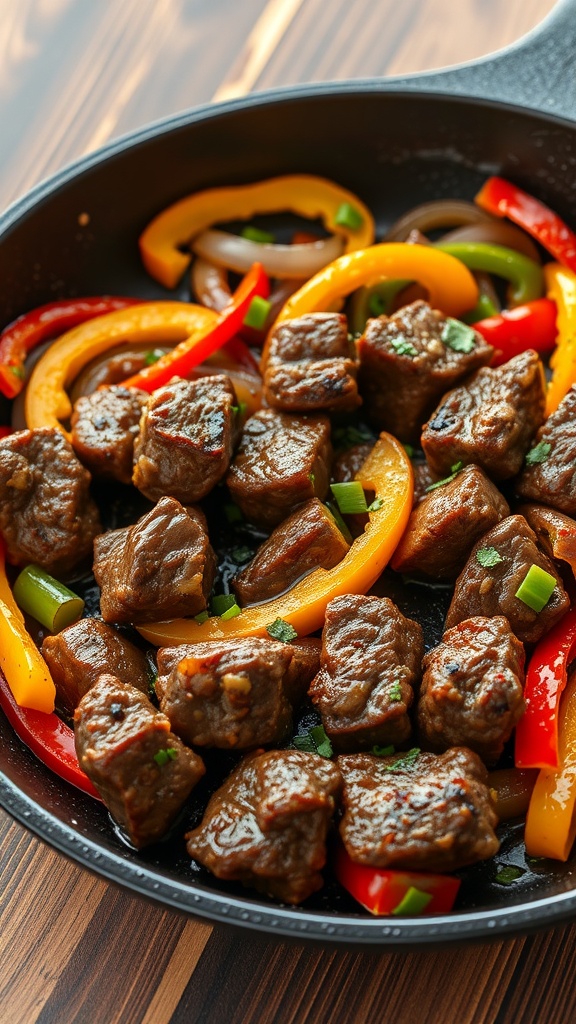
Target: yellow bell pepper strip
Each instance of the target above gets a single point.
(47, 402)
(303, 194)
(561, 288)
(388, 472)
(451, 286)
(551, 819)
(21, 663)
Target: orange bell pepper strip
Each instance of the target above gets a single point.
(47, 402)
(551, 818)
(303, 194)
(451, 286)
(561, 288)
(21, 663)
(388, 472)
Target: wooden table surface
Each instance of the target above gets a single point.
(73, 949)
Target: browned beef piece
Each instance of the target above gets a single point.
(491, 590)
(423, 478)
(309, 367)
(371, 657)
(160, 568)
(552, 479)
(80, 654)
(471, 693)
(446, 523)
(142, 771)
(281, 462)
(419, 812)
(350, 462)
(233, 694)
(187, 435)
(406, 366)
(307, 539)
(104, 426)
(266, 826)
(46, 513)
(556, 532)
(490, 420)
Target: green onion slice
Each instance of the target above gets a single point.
(350, 497)
(46, 599)
(254, 234)
(414, 901)
(347, 216)
(222, 603)
(231, 612)
(537, 588)
(454, 470)
(257, 314)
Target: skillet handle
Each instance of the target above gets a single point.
(538, 71)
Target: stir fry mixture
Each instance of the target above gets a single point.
(233, 474)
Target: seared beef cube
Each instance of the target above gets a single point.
(232, 694)
(81, 653)
(308, 539)
(266, 826)
(446, 523)
(104, 427)
(549, 476)
(556, 532)
(281, 462)
(309, 367)
(417, 811)
(489, 420)
(423, 479)
(46, 513)
(371, 657)
(160, 568)
(350, 462)
(142, 771)
(490, 589)
(305, 665)
(406, 365)
(471, 693)
(187, 435)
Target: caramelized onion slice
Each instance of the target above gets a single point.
(439, 213)
(235, 253)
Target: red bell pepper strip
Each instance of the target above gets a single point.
(503, 199)
(512, 331)
(188, 354)
(48, 737)
(29, 330)
(537, 730)
(238, 351)
(397, 893)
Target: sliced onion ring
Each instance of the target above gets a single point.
(235, 253)
(496, 232)
(440, 213)
(210, 284)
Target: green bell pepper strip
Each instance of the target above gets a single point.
(526, 281)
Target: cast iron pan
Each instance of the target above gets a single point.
(396, 143)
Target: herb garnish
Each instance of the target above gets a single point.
(382, 751)
(314, 742)
(538, 454)
(458, 336)
(509, 874)
(403, 347)
(488, 558)
(454, 470)
(376, 505)
(241, 554)
(282, 630)
(395, 691)
(162, 757)
(403, 762)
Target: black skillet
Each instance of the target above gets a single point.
(396, 143)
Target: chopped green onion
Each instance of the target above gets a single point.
(350, 497)
(376, 505)
(347, 216)
(454, 470)
(314, 742)
(282, 630)
(333, 510)
(458, 336)
(254, 234)
(241, 554)
(509, 874)
(257, 313)
(538, 454)
(537, 588)
(488, 558)
(201, 617)
(46, 599)
(162, 757)
(395, 691)
(402, 347)
(153, 356)
(414, 901)
(222, 602)
(231, 612)
(239, 409)
(382, 751)
(233, 513)
(312, 478)
(403, 762)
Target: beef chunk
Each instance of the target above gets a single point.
(307, 539)
(471, 693)
(232, 694)
(350, 462)
(46, 513)
(104, 426)
(187, 435)
(418, 812)
(491, 590)
(556, 532)
(489, 420)
(160, 568)
(81, 653)
(281, 462)
(370, 661)
(142, 771)
(446, 523)
(309, 367)
(406, 366)
(423, 479)
(552, 480)
(266, 826)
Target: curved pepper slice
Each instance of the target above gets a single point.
(561, 288)
(22, 665)
(551, 818)
(47, 402)
(514, 330)
(524, 274)
(304, 194)
(388, 472)
(394, 892)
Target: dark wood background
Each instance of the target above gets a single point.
(74, 950)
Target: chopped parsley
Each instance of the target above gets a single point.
(488, 558)
(376, 505)
(406, 761)
(162, 756)
(314, 742)
(458, 336)
(538, 454)
(395, 691)
(454, 470)
(509, 874)
(402, 347)
(282, 630)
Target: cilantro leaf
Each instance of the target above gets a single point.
(282, 630)
(538, 454)
(488, 558)
(403, 762)
(314, 742)
(402, 347)
(458, 336)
